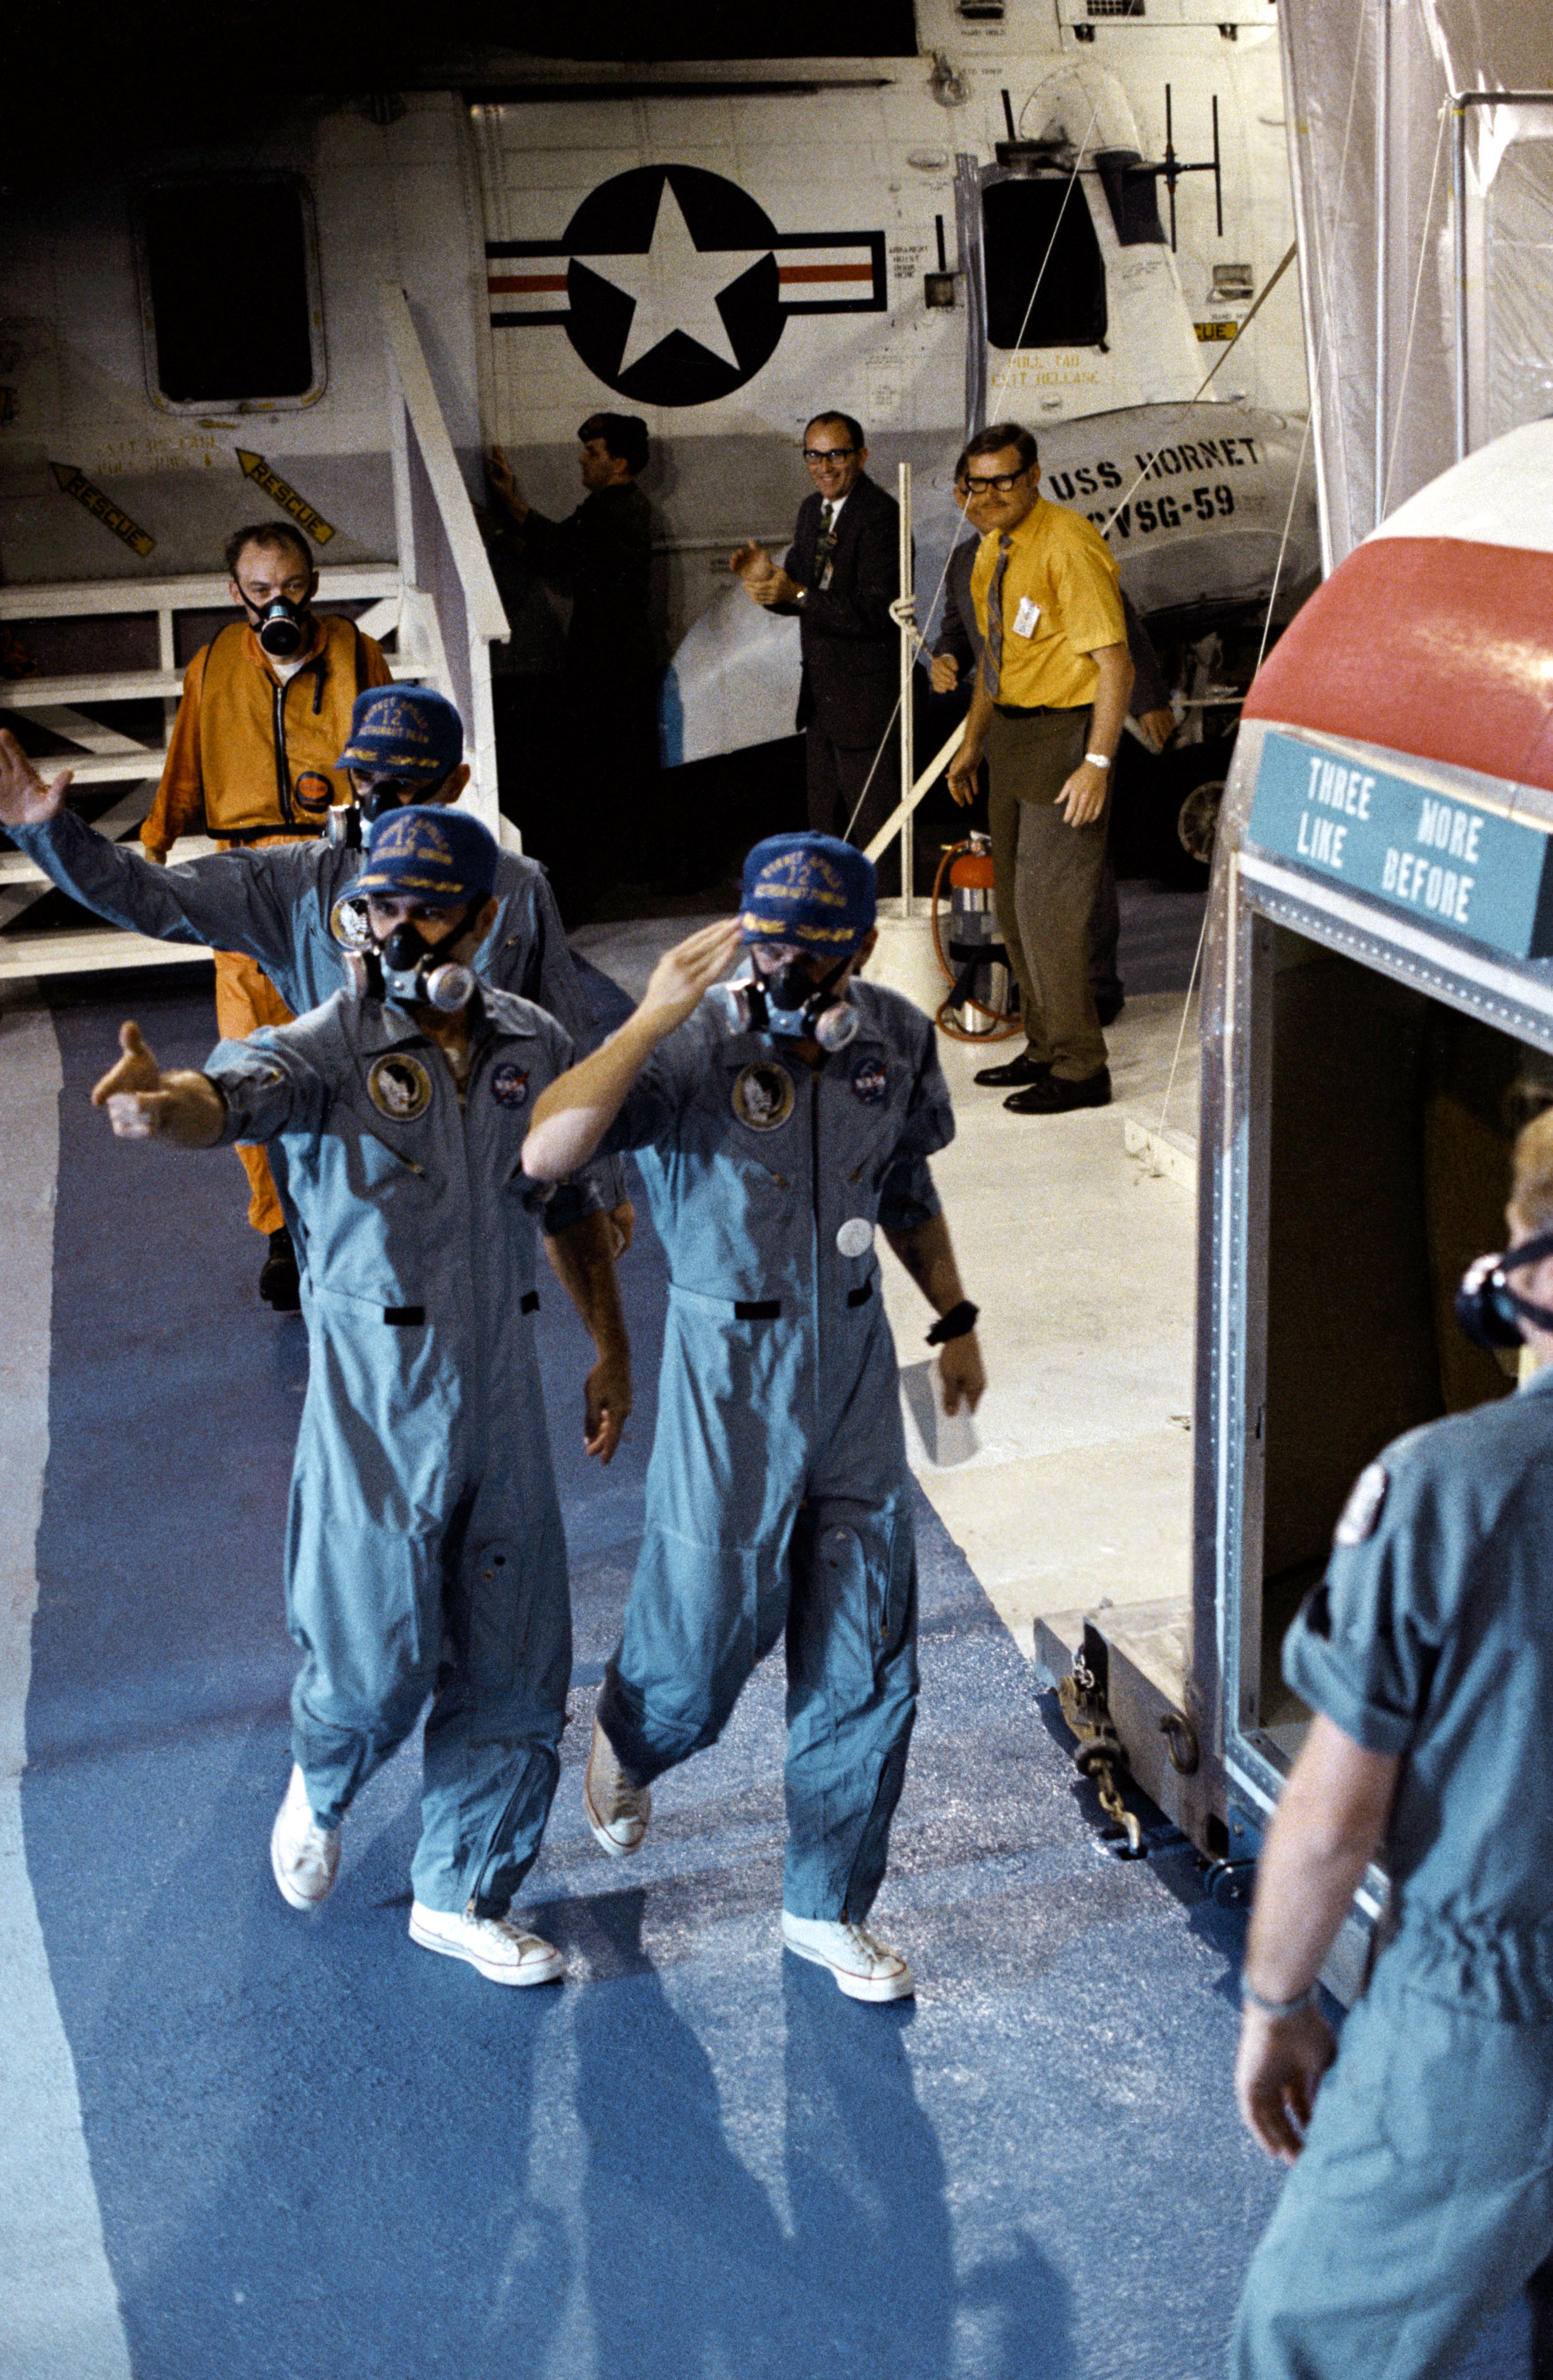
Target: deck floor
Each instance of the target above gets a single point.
(278, 2147)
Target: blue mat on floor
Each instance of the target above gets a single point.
(321, 2153)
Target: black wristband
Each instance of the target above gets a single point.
(959, 1322)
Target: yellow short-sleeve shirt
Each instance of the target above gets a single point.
(1061, 602)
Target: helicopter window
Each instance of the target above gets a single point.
(229, 286)
(1046, 282)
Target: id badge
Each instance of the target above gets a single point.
(1026, 617)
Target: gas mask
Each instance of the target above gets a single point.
(1489, 1309)
(346, 821)
(789, 1004)
(281, 626)
(405, 970)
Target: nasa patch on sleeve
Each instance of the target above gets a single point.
(1365, 1501)
(510, 1085)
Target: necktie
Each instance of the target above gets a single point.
(995, 617)
(822, 543)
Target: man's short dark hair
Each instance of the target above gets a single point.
(624, 436)
(853, 429)
(995, 438)
(268, 533)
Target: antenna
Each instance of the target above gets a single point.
(1008, 118)
(1170, 172)
(939, 227)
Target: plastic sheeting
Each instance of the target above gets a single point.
(1371, 142)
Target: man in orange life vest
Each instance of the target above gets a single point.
(265, 712)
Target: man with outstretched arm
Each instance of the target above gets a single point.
(1421, 2199)
(295, 907)
(777, 1121)
(424, 1553)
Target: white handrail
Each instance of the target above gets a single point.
(908, 802)
(487, 615)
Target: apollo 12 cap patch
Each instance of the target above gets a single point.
(1362, 1510)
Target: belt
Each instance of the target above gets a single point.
(407, 1317)
(769, 1309)
(1038, 710)
(232, 837)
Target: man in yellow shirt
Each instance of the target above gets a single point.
(1047, 713)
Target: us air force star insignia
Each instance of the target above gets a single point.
(1362, 1509)
(762, 1096)
(399, 1088)
(674, 285)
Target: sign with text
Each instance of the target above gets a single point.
(1444, 862)
(76, 483)
(255, 468)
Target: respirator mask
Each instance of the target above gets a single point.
(346, 821)
(405, 971)
(1489, 1309)
(789, 1004)
(281, 626)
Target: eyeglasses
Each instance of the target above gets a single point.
(828, 454)
(1004, 481)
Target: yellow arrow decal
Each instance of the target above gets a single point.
(255, 468)
(76, 483)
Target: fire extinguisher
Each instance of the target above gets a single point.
(974, 958)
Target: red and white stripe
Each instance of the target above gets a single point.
(1434, 637)
(814, 276)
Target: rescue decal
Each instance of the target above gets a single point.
(1362, 1509)
(510, 1085)
(870, 1082)
(255, 468)
(763, 1096)
(76, 483)
(400, 1086)
(673, 285)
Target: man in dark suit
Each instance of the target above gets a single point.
(840, 576)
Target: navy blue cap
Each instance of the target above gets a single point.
(406, 731)
(423, 853)
(809, 890)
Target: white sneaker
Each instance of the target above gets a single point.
(496, 1946)
(616, 1812)
(304, 1855)
(865, 1968)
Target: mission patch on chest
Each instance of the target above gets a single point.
(763, 1096)
(400, 1086)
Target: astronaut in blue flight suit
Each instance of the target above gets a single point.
(424, 1552)
(777, 1122)
(294, 906)
(1422, 2195)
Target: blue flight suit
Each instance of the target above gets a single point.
(278, 903)
(777, 1493)
(424, 1553)
(1423, 2201)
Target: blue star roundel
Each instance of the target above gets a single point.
(673, 285)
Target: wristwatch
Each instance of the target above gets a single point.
(1097, 760)
(802, 597)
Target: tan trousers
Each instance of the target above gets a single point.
(1045, 877)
